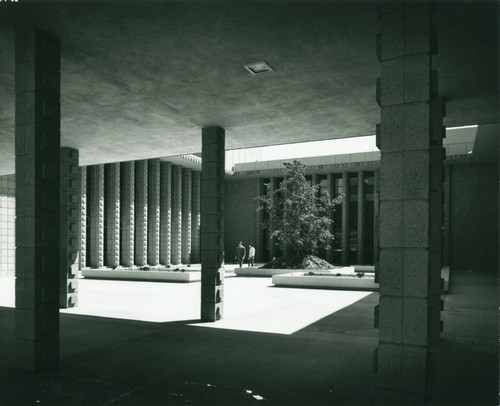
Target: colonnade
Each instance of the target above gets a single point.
(139, 213)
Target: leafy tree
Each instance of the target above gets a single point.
(298, 217)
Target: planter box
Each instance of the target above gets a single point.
(272, 272)
(364, 268)
(297, 279)
(128, 274)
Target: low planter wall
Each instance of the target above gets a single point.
(129, 274)
(299, 280)
(364, 268)
(271, 272)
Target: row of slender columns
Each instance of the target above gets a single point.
(151, 210)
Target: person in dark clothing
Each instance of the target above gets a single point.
(240, 253)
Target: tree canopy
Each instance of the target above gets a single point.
(299, 217)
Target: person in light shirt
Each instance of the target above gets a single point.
(251, 255)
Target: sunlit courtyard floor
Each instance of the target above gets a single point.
(140, 343)
(250, 304)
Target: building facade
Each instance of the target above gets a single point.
(133, 221)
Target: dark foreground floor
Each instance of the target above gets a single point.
(118, 362)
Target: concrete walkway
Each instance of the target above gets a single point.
(275, 345)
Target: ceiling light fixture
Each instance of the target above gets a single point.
(258, 68)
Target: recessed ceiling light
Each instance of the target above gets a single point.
(258, 68)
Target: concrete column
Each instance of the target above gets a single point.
(212, 223)
(112, 201)
(83, 217)
(96, 209)
(410, 203)
(69, 228)
(195, 218)
(186, 215)
(272, 240)
(165, 212)
(154, 212)
(329, 250)
(376, 222)
(176, 253)
(141, 213)
(37, 149)
(345, 219)
(361, 217)
(258, 224)
(127, 213)
(446, 214)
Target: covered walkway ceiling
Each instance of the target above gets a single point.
(140, 78)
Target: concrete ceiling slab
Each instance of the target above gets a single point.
(139, 79)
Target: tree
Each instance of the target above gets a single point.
(298, 217)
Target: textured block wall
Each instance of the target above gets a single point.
(474, 217)
(241, 216)
(7, 225)
(69, 222)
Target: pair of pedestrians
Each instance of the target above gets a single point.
(241, 253)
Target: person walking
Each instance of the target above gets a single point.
(251, 255)
(240, 253)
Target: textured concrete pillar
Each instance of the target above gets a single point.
(186, 215)
(154, 212)
(37, 149)
(69, 227)
(83, 217)
(410, 141)
(195, 218)
(330, 189)
(141, 213)
(176, 215)
(345, 219)
(112, 208)
(127, 213)
(165, 212)
(212, 223)
(96, 214)
(361, 217)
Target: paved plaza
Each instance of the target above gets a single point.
(142, 343)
